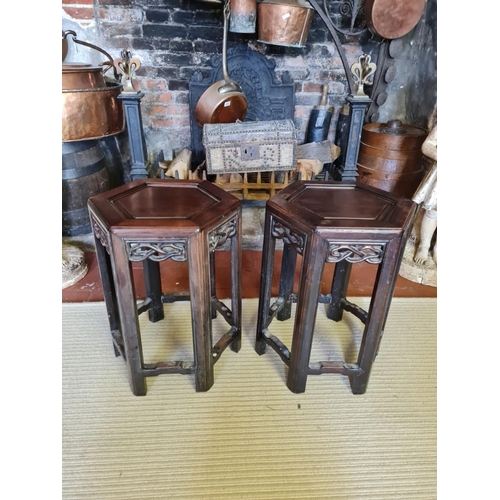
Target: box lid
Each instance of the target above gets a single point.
(248, 132)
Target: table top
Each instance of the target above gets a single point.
(163, 203)
(328, 205)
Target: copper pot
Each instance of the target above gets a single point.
(90, 105)
(223, 101)
(284, 22)
(92, 113)
(82, 76)
(243, 16)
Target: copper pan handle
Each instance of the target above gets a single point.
(228, 85)
(226, 11)
(109, 63)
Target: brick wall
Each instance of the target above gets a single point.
(174, 38)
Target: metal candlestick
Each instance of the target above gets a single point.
(131, 98)
(362, 73)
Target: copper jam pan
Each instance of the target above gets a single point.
(82, 76)
(92, 113)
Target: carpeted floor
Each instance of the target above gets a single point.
(249, 437)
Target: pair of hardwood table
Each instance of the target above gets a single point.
(151, 220)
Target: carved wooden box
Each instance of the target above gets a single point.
(250, 146)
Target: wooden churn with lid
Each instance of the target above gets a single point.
(390, 157)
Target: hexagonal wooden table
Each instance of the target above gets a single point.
(151, 220)
(341, 222)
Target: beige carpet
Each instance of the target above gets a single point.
(249, 437)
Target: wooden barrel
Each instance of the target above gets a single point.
(84, 174)
(390, 157)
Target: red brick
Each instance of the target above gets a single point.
(312, 87)
(165, 97)
(78, 2)
(80, 12)
(157, 111)
(151, 84)
(161, 122)
(178, 109)
(116, 14)
(180, 121)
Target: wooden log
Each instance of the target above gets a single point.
(180, 164)
(325, 151)
(307, 167)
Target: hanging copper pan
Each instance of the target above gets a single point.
(284, 22)
(223, 101)
(393, 18)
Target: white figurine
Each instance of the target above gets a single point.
(426, 195)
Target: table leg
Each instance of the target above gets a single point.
(129, 320)
(266, 277)
(287, 276)
(307, 306)
(236, 283)
(213, 285)
(383, 290)
(199, 289)
(108, 288)
(340, 283)
(152, 278)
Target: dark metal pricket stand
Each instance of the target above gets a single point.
(358, 75)
(348, 170)
(131, 98)
(138, 152)
(362, 71)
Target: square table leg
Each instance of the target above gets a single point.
(287, 276)
(340, 283)
(380, 302)
(307, 306)
(213, 284)
(266, 278)
(108, 287)
(199, 290)
(129, 320)
(152, 279)
(235, 253)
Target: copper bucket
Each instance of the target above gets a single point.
(284, 22)
(243, 16)
(90, 105)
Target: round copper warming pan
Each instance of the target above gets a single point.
(392, 19)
